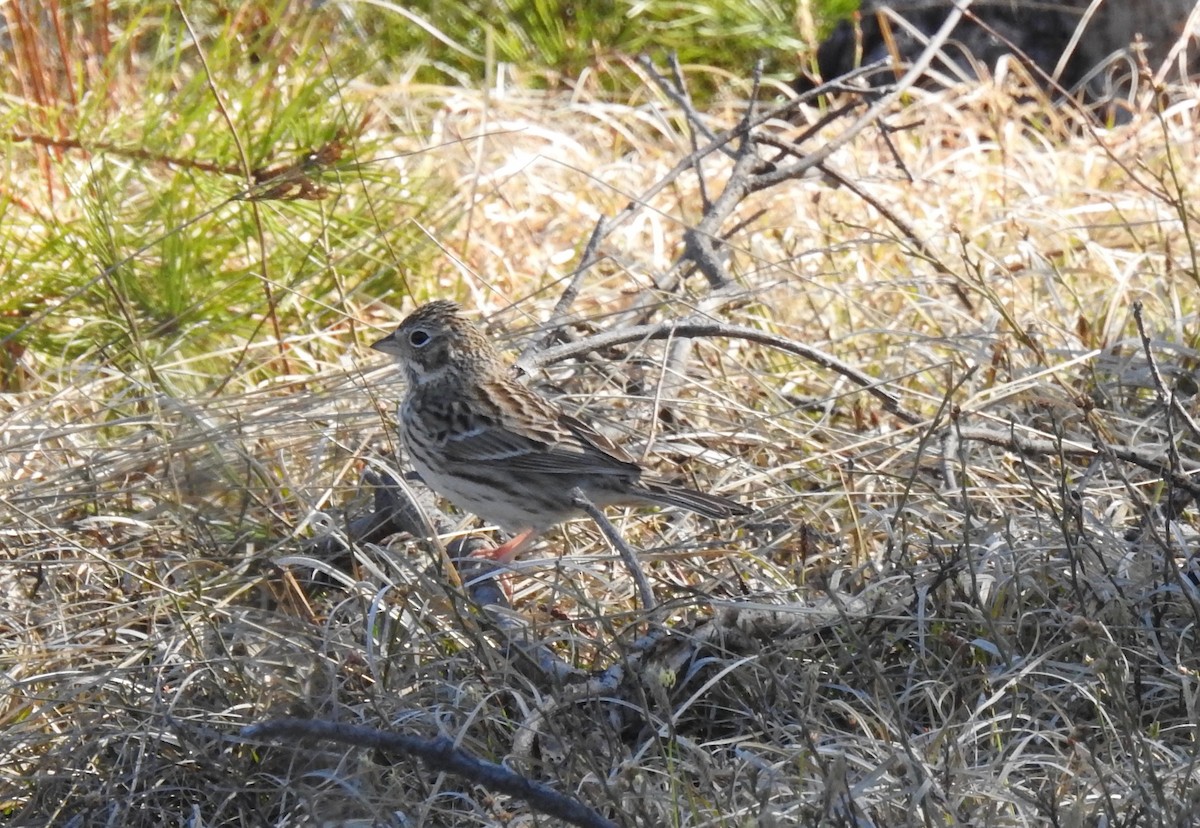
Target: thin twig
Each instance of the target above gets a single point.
(1044, 447)
(874, 111)
(680, 350)
(667, 330)
(649, 604)
(562, 307)
(1168, 399)
(700, 241)
(694, 122)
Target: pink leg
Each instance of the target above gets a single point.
(508, 550)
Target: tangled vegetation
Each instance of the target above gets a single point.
(951, 368)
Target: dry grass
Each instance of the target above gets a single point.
(971, 635)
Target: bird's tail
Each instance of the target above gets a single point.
(667, 494)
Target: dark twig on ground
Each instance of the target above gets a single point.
(439, 754)
(395, 512)
(481, 580)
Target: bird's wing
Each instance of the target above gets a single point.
(521, 431)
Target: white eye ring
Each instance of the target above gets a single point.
(418, 339)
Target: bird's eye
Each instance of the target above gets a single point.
(418, 339)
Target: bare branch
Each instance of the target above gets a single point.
(667, 330)
(1186, 480)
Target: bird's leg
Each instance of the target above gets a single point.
(508, 550)
(504, 553)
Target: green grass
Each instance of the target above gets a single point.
(554, 42)
(133, 241)
(137, 239)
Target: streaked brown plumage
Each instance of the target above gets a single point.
(495, 448)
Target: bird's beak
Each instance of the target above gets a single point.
(387, 345)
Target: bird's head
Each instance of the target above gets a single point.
(435, 339)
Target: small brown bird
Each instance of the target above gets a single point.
(497, 449)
